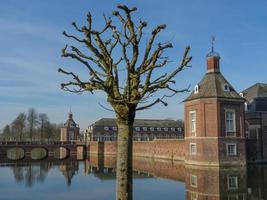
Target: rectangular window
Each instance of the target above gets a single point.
(193, 196)
(165, 129)
(193, 180)
(231, 149)
(192, 120)
(193, 148)
(232, 182)
(230, 122)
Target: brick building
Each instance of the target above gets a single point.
(105, 129)
(70, 131)
(256, 121)
(214, 120)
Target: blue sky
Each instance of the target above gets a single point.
(31, 39)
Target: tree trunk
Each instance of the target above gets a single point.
(124, 161)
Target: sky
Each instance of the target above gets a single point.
(31, 41)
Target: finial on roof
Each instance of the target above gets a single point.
(212, 43)
(212, 53)
(70, 113)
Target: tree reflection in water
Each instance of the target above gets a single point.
(34, 172)
(30, 173)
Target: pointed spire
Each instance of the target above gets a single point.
(70, 113)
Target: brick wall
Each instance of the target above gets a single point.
(163, 149)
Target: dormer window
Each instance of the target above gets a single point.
(137, 128)
(246, 106)
(196, 90)
(241, 94)
(106, 128)
(226, 88)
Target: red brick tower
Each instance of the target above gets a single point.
(70, 130)
(214, 120)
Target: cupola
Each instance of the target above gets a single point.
(213, 59)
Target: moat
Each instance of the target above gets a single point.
(94, 178)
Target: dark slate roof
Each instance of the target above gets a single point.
(257, 90)
(212, 85)
(70, 122)
(140, 122)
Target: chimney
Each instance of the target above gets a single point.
(213, 63)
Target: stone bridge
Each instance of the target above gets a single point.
(12, 151)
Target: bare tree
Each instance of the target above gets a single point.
(43, 120)
(6, 135)
(129, 80)
(32, 119)
(19, 124)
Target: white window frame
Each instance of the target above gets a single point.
(114, 128)
(137, 128)
(190, 146)
(158, 128)
(144, 128)
(165, 129)
(196, 89)
(152, 129)
(227, 149)
(193, 180)
(235, 179)
(193, 196)
(106, 128)
(230, 133)
(191, 122)
(172, 129)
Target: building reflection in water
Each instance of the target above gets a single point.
(216, 183)
(200, 182)
(69, 169)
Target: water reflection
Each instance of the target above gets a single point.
(199, 183)
(29, 173)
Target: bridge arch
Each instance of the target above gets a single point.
(39, 153)
(15, 153)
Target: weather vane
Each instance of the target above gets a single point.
(212, 43)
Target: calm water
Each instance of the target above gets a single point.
(94, 179)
